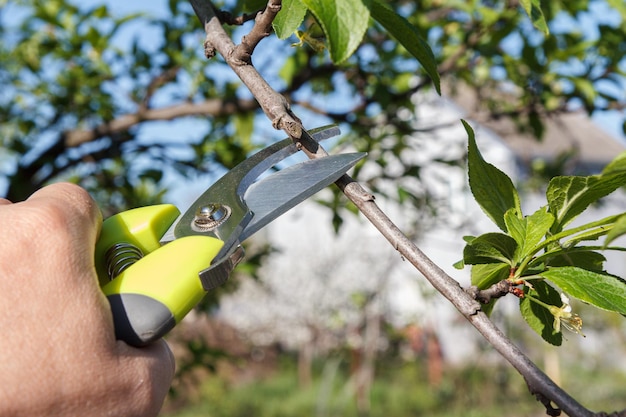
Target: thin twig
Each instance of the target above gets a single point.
(277, 109)
(156, 83)
(274, 105)
(538, 382)
(227, 17)
(497, 290)
(262, 28)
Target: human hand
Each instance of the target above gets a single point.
(58, 351)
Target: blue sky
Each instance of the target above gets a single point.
(610, 121)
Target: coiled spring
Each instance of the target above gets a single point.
(120, 256)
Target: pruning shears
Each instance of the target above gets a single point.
(155, 264)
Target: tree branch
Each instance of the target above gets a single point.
(227, 18)
(262, 28)
(538, 383)
(215, 107)
(156, 83)
(274, 105)
(277, 109)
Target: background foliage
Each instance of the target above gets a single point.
(85, 90)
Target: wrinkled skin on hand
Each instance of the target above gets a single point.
(58, 350)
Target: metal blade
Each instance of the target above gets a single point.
(275, 195)
(222, 211)
(230, 189)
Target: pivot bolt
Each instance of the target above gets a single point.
(210, 216)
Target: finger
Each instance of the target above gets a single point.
(61, 222)
(155, 366)
(160, 357)
(163, 371)
(4, 201)
(156, 357)
(72, 200)
(165, 355)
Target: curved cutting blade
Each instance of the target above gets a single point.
(275, 195)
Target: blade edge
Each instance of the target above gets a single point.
(270, 198)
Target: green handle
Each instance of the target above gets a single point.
(155, 292)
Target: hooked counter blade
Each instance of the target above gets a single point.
(277, 194)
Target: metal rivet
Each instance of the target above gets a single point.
(211, 216)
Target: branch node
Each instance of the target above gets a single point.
(355, 192)
(518, 292)
(550, 410)
(262, 28)
(293, 128)
(473, 291)
(209, 49)
(497, 290)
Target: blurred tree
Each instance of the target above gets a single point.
(85, 90)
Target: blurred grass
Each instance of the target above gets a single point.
(400, 389)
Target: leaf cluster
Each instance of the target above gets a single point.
(345, 22)
(542, 251)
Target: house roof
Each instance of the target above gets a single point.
(574, 132)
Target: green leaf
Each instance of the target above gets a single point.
(468, 238)
(406, 34)
(604, 291)
(587, 235)
(618, 229)
(153, 174)
(588, 231)
(568, 196)
(529, 231)
(459, 264)
(344, 23)
(490, 248)
(538, 317)
(588, 91)
(244, 126)
(289, 18)
(485, 275)
(493, 189)
(616, 166)
(533, 9)
(581, 258)
(251, 5)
